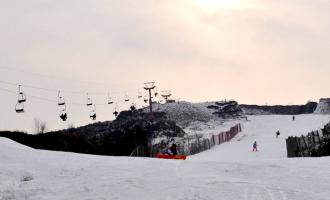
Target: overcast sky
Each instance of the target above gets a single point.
(253, 51)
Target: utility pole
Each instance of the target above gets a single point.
(149, 86)
(166, 94)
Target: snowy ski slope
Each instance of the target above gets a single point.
(227, 172)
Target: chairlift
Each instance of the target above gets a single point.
(110, 101)
(61, 101)
(126, 98)
(92, 114)
(115, 113)
(21, 95)
(63, 114)
(139, 94)
(133, 107)
(146, 99)
(89, 101)
(19, 108)
(156, 93)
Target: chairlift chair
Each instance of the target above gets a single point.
(156, 93)
(63, 114)
(146, 99)
(19, 108)
(126, 98)
(92, 114)
(133, 107)
(110, 101)
(61, 101)
(21, 95)
(139, 95)
(116, 112)
(89, 101)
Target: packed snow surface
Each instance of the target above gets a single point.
(229, 171)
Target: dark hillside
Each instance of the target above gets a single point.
(118, 138)
(279, 109)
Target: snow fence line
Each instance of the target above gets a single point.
(199, 145)
(192, 145)
(314, 144)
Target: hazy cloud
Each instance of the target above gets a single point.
(271, 51)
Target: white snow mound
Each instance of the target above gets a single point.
(226, 172)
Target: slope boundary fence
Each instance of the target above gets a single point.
(191, 145)
(314, 144)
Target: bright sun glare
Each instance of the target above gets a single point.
(214, 5)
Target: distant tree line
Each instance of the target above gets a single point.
(284, 110)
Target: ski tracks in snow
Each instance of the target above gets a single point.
(263, 193)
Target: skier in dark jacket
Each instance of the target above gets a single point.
(174, 150)
(278, 134)
(255, 146)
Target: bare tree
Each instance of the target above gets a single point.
(39, 126)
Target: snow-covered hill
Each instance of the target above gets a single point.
(203, 119)
(185, 113)
(226, 172)
(323, 107)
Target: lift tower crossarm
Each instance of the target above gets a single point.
(149, 86)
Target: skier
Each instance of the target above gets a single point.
(255, 146)
(173, 149)
(293, 118)
(278, 134)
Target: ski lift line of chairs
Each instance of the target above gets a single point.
(19, 107)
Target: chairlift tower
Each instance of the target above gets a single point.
(149, 86)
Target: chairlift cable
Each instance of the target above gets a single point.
(45, 76)
(64, 91)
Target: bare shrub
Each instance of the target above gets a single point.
(39, 126)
